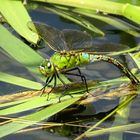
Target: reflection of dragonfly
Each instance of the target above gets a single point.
(72, 49)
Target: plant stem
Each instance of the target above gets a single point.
(127, 10)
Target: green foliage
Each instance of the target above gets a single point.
(19, 50)
(127, 10)
(33, 118)
(121, 108)
(19, 81)
(17, 16)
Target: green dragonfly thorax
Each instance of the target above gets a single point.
(62, 61)
(66, 60)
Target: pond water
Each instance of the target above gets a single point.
(89, 114)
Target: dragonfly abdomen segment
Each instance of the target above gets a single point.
(95, 58)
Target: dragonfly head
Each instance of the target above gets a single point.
(46, 68)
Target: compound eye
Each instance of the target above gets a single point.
(49, 65)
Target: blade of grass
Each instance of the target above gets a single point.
(19, 81)
(121, 118)
(13, 103)
(136, 58)
(121, 105)
(131, 12)
(16, 15)
(34, 117)
(27, 105)
(136, 2)
(20, 51)
(36, 102)
(77, 19)
(114, 129)
(118, 23)
(127, 10)
(102, 5)
(74, 18)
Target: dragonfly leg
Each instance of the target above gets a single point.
(62, 95)
(83, 78)
(48, 80)
(65, 86)
(54, 85)
(46, 83)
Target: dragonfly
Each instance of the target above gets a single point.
(72, 50)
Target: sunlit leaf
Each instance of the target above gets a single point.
(34, 117)
(16, 15)
(121, 105)
(19, 81)
(118, 23)
(127, 10)
(20, 51)
(114, 129)
(77, 19)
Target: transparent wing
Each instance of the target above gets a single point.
(69, 39)
(53, 37)
(82, 41)
(105, 48)
(76, 40)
